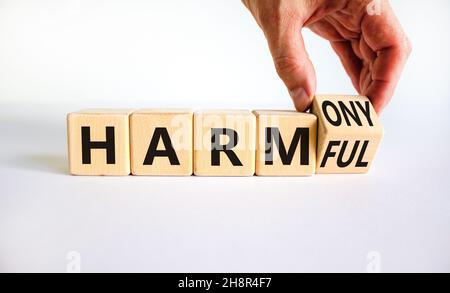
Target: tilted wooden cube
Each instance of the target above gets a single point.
(161, 142)
(349, 133)
(98, 142)
(285, 143)
(224, 143)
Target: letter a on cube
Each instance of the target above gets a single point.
(224, 143)
(99, 142)
(161, 142)
(349, 134)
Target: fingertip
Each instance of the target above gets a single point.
(379, 102)
(379, 110)
(302, 100)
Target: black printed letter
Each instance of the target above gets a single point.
(326, 104)
(329, 153)
(301, 138)
(87, 145)
(169, 152)
(216, 147)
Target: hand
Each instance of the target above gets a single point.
(365, 34)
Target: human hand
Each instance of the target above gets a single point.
(365, 34)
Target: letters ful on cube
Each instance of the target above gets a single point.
(340, 135)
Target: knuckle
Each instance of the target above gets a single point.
(285, 64)
(405, 46)
(408, 46)
(270, 19)
(277, 15)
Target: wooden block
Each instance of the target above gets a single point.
(161, 142)
(348, 135)
(224, 143)
(285, 143)
(99, 143)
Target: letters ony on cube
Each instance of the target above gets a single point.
(340, 135)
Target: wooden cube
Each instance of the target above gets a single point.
(349, 133)
(161, 142)
(285, 143)
(99, 143)
(224, 143)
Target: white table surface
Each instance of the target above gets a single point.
(399, 212)
(323, 223)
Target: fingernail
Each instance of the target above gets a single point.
(301, 99)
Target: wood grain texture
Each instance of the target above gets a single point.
(349, 133)
(235, 132)
(154, 125)
(285, 143)
(96, 123)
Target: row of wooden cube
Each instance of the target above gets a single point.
(341, 135)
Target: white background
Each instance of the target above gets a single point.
(57, 56)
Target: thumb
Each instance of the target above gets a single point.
(292, 62)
